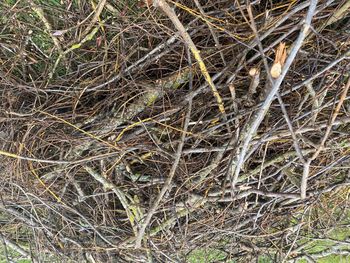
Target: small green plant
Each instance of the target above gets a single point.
(206, 255)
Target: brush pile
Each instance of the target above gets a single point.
(174, 131)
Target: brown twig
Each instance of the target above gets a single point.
(168, 181)
(163, 5)
(258, 117)
(306, 170)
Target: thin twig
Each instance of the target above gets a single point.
(95, 18)
(168, 181)
(345, 55)
(283, 108)
(216, 40)
(258, 117)
(163, 5)
(124, 198)
(306, 169)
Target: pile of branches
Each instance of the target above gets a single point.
(149, 131)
